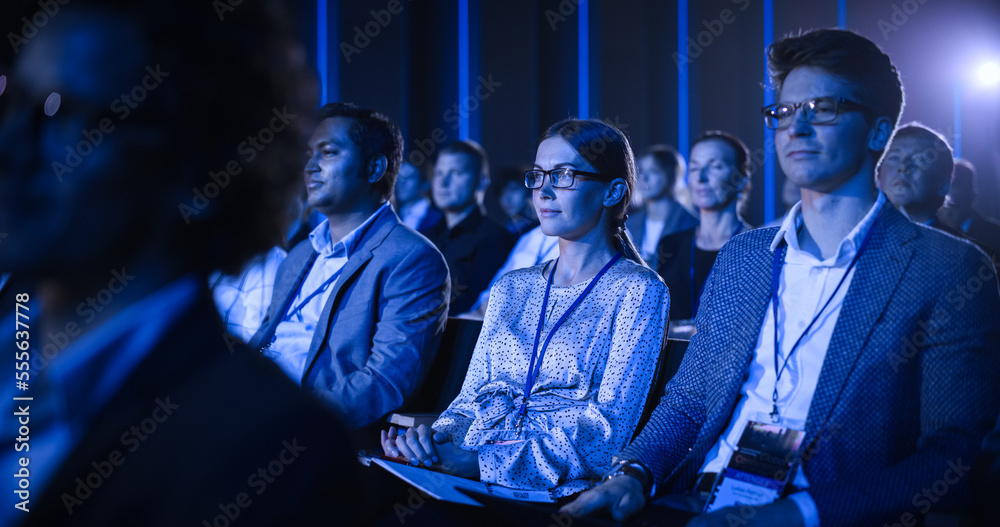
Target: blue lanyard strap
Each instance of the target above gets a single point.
(695, 289)
(322, 287)
(779, 260)
(533, 368)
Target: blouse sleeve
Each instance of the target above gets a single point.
(575, 441)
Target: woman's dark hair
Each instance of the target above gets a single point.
(744, 167)
(607, 149)
(670, 161)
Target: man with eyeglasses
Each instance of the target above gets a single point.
(844, 366)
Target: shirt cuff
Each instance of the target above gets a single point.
(807, 508)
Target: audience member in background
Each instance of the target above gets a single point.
(147, 414)
(473, 245)
(959, 214)
(585, 330)
(358, 309)
(841, 324)
(411, 201)
(532, 248)
(719, 178)
(915, 173)
(659, 168)
(515, 200)
(242, 299)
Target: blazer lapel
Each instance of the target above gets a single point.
(876, 276)
(291, 273)
(362, 254)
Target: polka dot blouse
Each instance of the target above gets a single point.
(591, 389)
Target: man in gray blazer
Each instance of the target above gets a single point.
(358, 308)
(876, 334)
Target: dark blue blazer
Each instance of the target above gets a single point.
(908, 389)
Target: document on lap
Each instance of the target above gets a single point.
(446, 487)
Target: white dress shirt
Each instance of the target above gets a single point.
(805, 285)
(532, 248)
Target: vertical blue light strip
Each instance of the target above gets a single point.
(957, 137)
(842, 14)
(333, 35)
(770, 206)
(463, 69)
(321, 44)
(683, 97)
(583, 60)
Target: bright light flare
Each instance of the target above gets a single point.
(989, 74)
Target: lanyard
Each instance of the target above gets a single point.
(534, 369)
(779, 260)
(696, 289)
(322, 287)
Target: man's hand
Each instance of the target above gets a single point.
(782, 512)
(621, 496)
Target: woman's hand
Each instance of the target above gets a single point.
(423, 445)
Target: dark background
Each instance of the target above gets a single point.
(410, 69)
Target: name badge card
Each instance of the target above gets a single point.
(761, 467)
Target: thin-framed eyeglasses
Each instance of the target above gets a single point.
(821, 110)
(560, 177)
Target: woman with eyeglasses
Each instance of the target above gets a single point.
(719, 179)
(568, 350)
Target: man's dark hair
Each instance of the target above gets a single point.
(847, 55)
(375, 134)
(474, 151)
(937, 156)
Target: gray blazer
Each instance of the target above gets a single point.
(381, 325)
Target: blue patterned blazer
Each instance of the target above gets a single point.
(909, 387)
(381, 325)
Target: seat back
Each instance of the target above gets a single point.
(671, 356)
(444, 380)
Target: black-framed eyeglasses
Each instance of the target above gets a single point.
(821, 110)
(560, 177)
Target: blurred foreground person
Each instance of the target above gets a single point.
(141, 147)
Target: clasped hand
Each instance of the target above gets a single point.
(425, 446)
